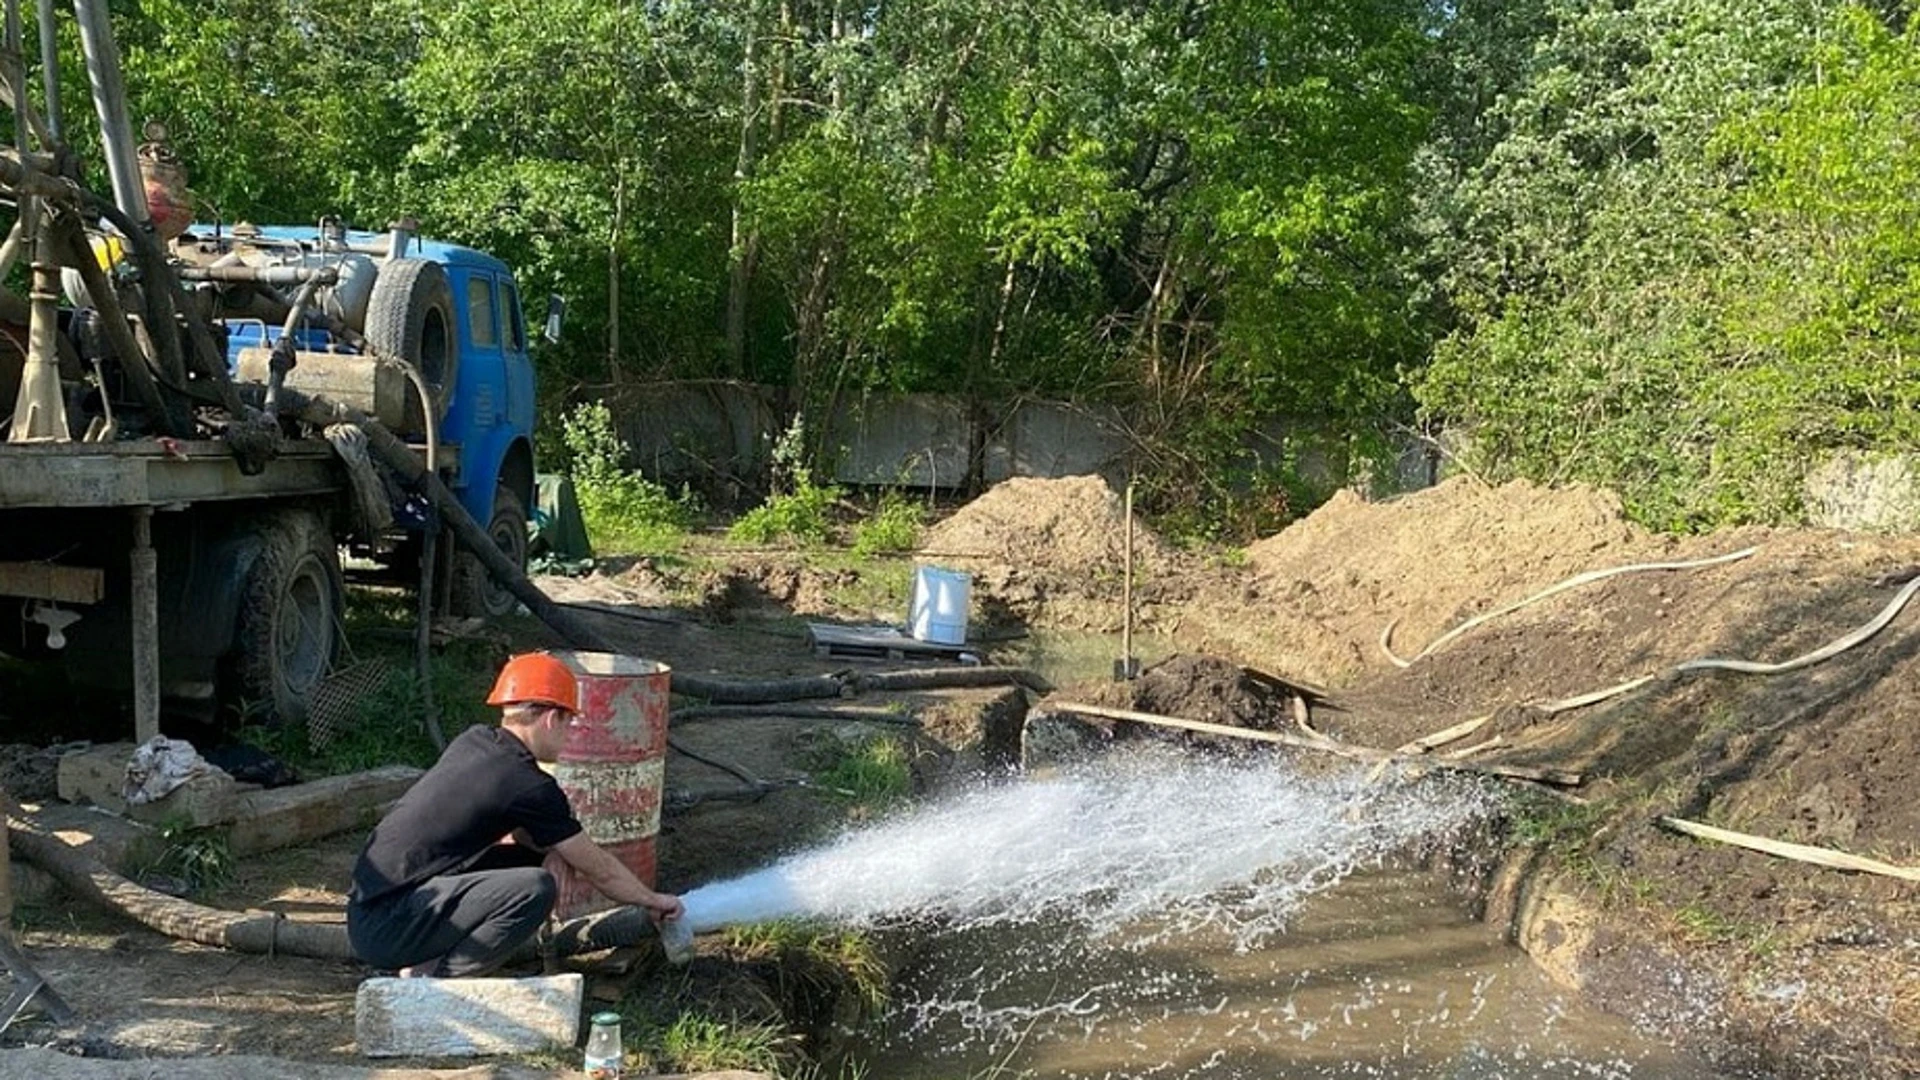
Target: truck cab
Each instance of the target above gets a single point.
(452, 313)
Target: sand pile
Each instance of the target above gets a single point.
(1066, 527)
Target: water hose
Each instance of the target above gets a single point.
(1591, 576)
(1826, 652)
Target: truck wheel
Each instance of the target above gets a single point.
(288, 634)
(410, 315)
(474, 590)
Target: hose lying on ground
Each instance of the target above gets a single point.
(269, 933)
(1749, 667)
(579, 633)
(1591, 576)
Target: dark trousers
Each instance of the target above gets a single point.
(470, 922)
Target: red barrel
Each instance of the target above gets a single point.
(613, 768)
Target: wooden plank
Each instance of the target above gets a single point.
(877, 641)
(50, 581)
(149, 473)
(1817, 856)
(1444, 736)
(1541, 775)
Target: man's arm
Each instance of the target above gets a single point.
(612, 877)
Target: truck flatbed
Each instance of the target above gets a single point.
(152, 472)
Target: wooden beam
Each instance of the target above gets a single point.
(1536, 774)
(51, 581)
(1440, 738)
(1816, 856)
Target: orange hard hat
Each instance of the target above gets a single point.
(536, 678)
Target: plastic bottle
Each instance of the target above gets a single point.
(676, 939)
(603, 1047)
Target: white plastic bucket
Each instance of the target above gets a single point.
(938, 610)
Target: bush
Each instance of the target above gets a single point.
(893, 527)
(624, 510)
(798, 509)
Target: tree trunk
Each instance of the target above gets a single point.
(742, 240)
(613, 277)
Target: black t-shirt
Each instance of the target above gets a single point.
(484, 786)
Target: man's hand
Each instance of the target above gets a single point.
(664, 906)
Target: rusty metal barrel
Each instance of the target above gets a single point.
(613, 768)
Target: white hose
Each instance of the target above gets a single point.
(1749, 667)
(1386, 635)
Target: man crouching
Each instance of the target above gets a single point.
(450, 883)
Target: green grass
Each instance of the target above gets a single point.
(879, 586)
(698, 1044)
(871, 774)
(825, 959)
(197, 858)
(1566, 833)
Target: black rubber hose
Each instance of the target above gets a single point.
(269, 933)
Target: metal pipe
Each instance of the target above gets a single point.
(30, 177)
(10, 250)
(110, 104)
(282, 361)
(16, 73)
(1128, 668)
(146, 627)
(50, 68)
(242, 274)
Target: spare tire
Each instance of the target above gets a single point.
(410, 316)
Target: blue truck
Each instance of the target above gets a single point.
(177, 567)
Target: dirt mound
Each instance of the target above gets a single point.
(1071, 526)
(1211, 689)
(1324, 589)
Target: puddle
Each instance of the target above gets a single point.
(1385, 975)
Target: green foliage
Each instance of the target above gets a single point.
(798, 509)
(1691, 280)
(625, 512)
(1661, 246)
(872, 773)
(196, 858)
(893, 527)
(701, 1044)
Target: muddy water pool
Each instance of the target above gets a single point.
(1385, 975)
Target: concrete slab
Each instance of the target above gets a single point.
(107, 838)
(289, 816)
(97, 774)
(467, 1017)
(920, 440)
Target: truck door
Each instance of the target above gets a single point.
(518, 364)
(490, 393)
